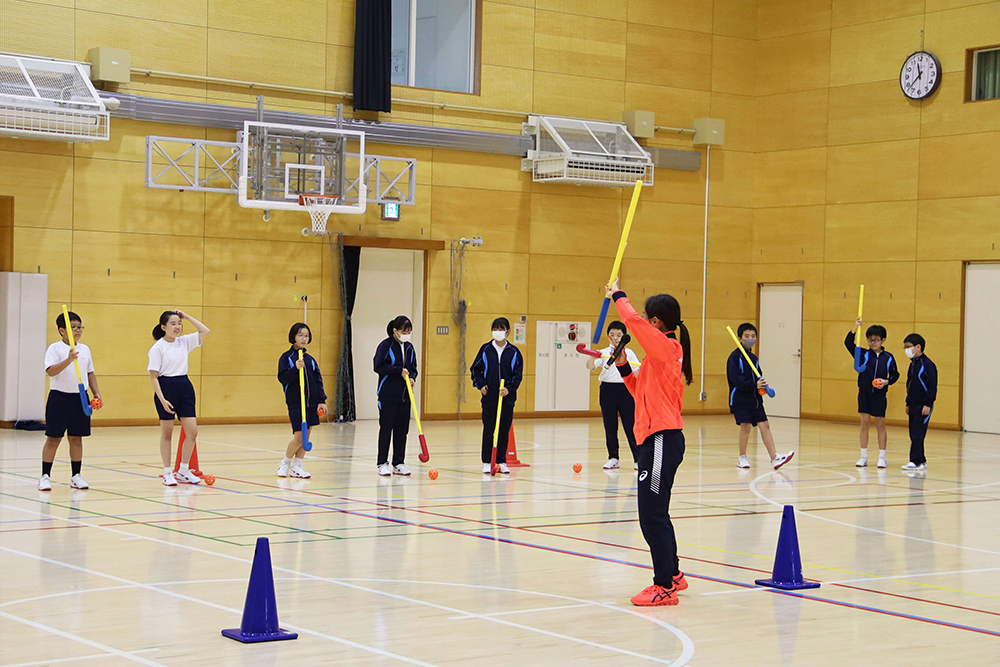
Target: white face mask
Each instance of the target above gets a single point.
(499, 336)
(909, 351)
(405, 338)
(748, 343)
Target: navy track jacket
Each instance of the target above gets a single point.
(487, 370)
(743, 394)
(921, 382)
(391, 357)
(881, 365)
(288, 376)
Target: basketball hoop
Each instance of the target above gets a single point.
(320, 207)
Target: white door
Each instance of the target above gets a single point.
(780, 347)
(982, 318)
(390, 283)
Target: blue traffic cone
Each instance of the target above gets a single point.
(260, 612)
(787, 572)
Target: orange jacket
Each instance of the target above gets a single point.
(658, 388)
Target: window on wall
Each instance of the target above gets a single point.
(986, 74)
(434, 44)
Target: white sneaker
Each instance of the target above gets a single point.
(914, 466)
(187, 477)
(385, 470)
(78, 482)
(782, 459)
(862, 462)
(44, 483)
(882, 463)
(168, 479)
(283, 469)
(401, 470)
(743, 461)
(486, 469)
(635, 466)
(611, 464)
(299, 472)
(506, 471)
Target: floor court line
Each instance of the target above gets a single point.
(40, 663)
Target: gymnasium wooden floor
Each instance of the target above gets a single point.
(536, 569)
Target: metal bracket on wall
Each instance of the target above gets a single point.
(201, 165)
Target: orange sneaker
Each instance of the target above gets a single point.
(680, 583)
(655, 596)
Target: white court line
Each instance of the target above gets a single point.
(37, 663)
(107, 649)
(754, 491)
(521, 611)
(151, 587)
(686, 643)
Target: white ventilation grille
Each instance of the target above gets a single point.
(585, 152)
(49, 99)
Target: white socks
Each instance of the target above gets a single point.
(298, 462)
(864, 452)
(168, 469)
(286, 461)
(184, 468)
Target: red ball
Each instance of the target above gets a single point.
(433, 474)
(96, 403)
(321, 410)
(577, 467)
(210, 479)
(875, 383)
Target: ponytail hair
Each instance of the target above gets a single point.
(666, 309)
(399, 323)
(158, 331)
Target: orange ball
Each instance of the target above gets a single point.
(577, 467)
(210, 479)
(321, 410)
(433, 474)
(96, 403)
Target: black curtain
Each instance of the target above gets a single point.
(350, 264)
(373, 55)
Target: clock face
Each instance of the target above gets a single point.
(920, 75)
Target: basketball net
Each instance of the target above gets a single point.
(320, 207)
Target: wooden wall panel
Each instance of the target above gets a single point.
(790, 178)
(667, 57)
(561, 285)
(495, 283)
(675, 107)
(189, 12)
(340, 22)
(872, 51)
(791, 17)
(260, 274)
(789, 234)
(850, 12)
(43, 187)
(734, 65)
(508, 36)
(579, 45)
(959, 166)
(869, 112)
(660, 231)
(579, 97)
(298, 19)
(777, 131)
(797, 62)
(574, 225)
(730, 234)
(603, 9)
(732, 178)
(6, 233)
(950, 114)
(243, 395)
(735, 18)
(875, 232)
(962, 228)
(885, 171)
(503, 219)
(475, 170)
(161, 45)
(137, 268)
(889, 295)
(939, 291)
(131, 397)
(289, 62)
(678, 14)
(740, 114)
(35, 29)
(47, 251)
(229, 354)
(950, 32)
(811, 275)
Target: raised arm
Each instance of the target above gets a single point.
(203, 331)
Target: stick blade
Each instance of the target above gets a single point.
(306, 445)
(85, 401)
(424, 456)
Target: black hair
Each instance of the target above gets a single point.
(876, 330)
(296, 328)
(158, 332)
(61, 321)
(500, 323)
(746, 326)
(617, 325)
(916, 339)
(399, 323)
(666, 309)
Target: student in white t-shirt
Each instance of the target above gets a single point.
(615, 398)
(174, 393)
(64, 413)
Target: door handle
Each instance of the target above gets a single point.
(799, 355)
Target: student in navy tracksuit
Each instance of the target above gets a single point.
(921, 392)
(288, 375)
(396, 363)
(880, 370)
(745, 401)
(497, 360)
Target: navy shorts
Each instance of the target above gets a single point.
(872, 403)
(179, 392)
(64, 416)
(752, 417)
(295, 416)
